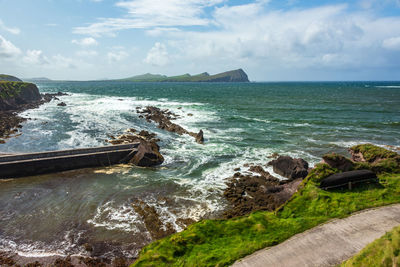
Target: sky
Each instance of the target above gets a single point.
(271, 40)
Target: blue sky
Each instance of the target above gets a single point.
(272, 40)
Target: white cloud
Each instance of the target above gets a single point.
(117, 55)
(61, 62)
(157, 55)
(392, 43)
(35, 57)
(7, 49)
(89, 41)
(326, 36)
(86, 53)
(12, 30)
(153, 13)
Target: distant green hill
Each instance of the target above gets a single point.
(229, 76)
(9, 78)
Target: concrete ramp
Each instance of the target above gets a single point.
(31, 164)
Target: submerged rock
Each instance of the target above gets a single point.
(290, 168)
(152, 220)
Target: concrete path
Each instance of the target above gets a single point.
(328, 244)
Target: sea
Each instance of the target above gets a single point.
(56, 214)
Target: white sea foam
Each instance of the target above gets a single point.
(122, 217)
(388, 86)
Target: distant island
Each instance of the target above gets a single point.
(38, 79)
(230, 76)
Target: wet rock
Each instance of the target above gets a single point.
(147, 155)
(163, 119)
(119, 262)
(290, 168)
(87, 247)
(63, 262)
(93, 262)
(62, 104)
(6, 260)
(190, 114)
(338, 161)
(152, 220)
(248, 193)
(33, 264)
(200, 137)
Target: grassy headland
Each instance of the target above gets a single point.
(222, 242)
(229, 76)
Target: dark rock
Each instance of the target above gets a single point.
(199, 137)
(62, 104)
(248, 193)
(190, 114)
(236, 169)
(147, 155)
(290, 168)
(152, 220)
(120, 262)
(339, 162)
(163, 119)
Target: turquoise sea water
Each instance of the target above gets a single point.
(242, 123)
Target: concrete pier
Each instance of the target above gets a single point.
(31, 164)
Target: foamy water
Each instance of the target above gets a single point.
(242, 124)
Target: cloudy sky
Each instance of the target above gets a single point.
(272, 40)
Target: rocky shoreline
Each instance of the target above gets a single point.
(256, 189)
(11, 121)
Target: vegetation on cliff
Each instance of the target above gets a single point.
(9, 78)
(221, 242)
(13, 94)
(229, 76)
(384, 251)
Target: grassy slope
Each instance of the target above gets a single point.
(221, 242)
(382, 252)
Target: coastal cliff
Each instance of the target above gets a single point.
(229, 76)
(14, 94)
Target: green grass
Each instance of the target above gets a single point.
(12, 89)
(221, 242)
(382, 252)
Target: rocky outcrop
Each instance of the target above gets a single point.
(148, 152)
(163, 119)
(338, 161)
(290, 168)
(147, 155)
(15, 94)
(16, 97)
(250, 192)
